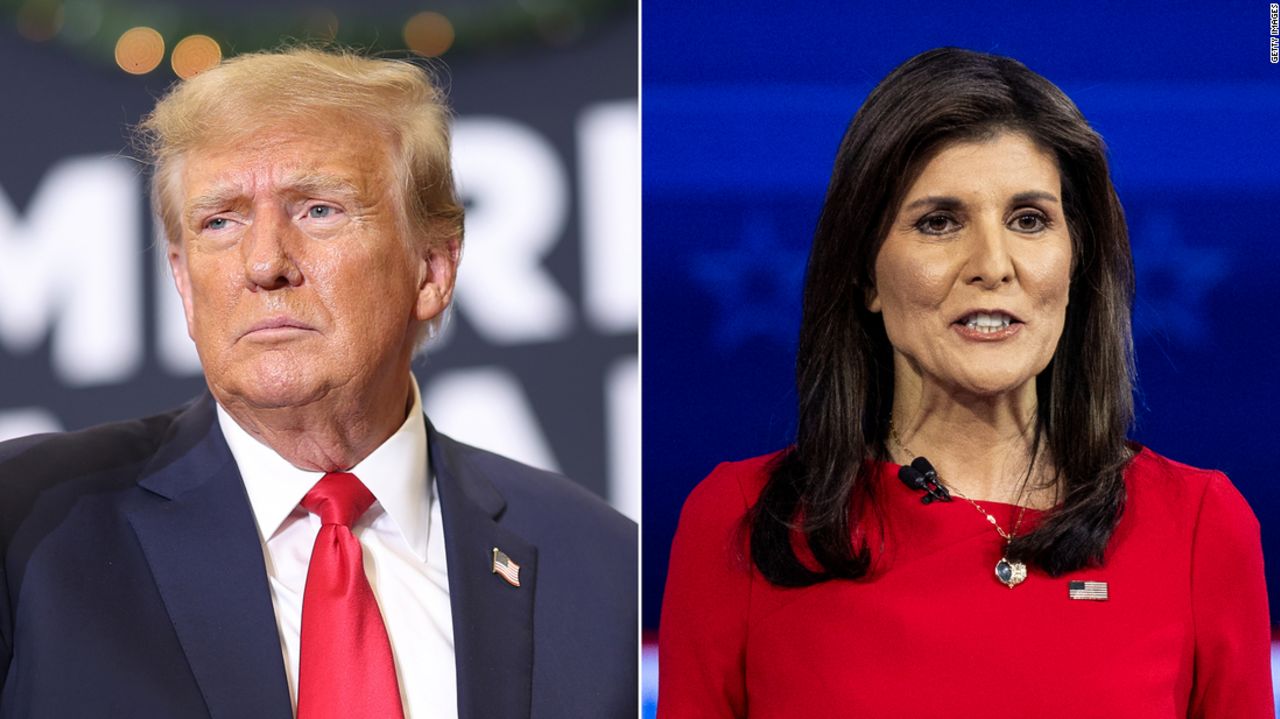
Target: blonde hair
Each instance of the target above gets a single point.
(257, 91)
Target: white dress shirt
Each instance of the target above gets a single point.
(402, 539)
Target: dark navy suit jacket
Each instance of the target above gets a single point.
(132, 582)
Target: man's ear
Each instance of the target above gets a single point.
(182, 280)
(437, 273)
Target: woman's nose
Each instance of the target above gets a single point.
(989, 264)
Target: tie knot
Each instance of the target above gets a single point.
(339, 498)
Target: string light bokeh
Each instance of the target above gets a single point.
(141, 37)
(194, 54)
(429, 34)
(140, 50)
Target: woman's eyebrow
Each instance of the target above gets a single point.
(947, 201)
(944, 201)
(1022, 197)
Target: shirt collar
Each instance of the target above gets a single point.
(396, 473)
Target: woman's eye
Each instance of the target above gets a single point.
(1030, 222)
(936, 224)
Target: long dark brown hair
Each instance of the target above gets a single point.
(820, 490)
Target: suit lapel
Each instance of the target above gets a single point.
(492, 620)
(200, 539)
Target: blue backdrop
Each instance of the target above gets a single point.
(743, 107)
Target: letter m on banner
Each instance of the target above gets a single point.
(70, 269)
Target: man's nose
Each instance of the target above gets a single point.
(268, 247)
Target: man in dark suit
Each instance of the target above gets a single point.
(300, 538)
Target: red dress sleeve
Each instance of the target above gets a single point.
(703, 631)
(1229, 606)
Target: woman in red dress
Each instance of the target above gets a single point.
(961, 528)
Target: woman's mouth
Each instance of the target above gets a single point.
(987, 325)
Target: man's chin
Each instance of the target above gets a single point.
(282, 399)
(271, 391)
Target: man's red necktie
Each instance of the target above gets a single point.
(346, 670)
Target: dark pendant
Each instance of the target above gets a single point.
(1010, 573)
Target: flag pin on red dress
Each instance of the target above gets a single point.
(1091, 591)
(507, 569)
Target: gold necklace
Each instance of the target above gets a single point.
(1009, 572)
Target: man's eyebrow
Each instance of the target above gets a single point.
(317, 183)
(215, 199)
(307, 183)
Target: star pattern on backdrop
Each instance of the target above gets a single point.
(755, 282)
(1175, 280)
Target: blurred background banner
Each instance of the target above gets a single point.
(539, 359)
(744, 105)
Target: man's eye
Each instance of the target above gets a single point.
(217, 223)
(321, 212)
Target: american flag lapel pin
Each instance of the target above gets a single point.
(1092, 591)
(504, 567)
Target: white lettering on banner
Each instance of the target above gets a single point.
(488, 408)
(622, 392)
(26, 420)
(518, 196)
(70, 267)
(609, 175)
